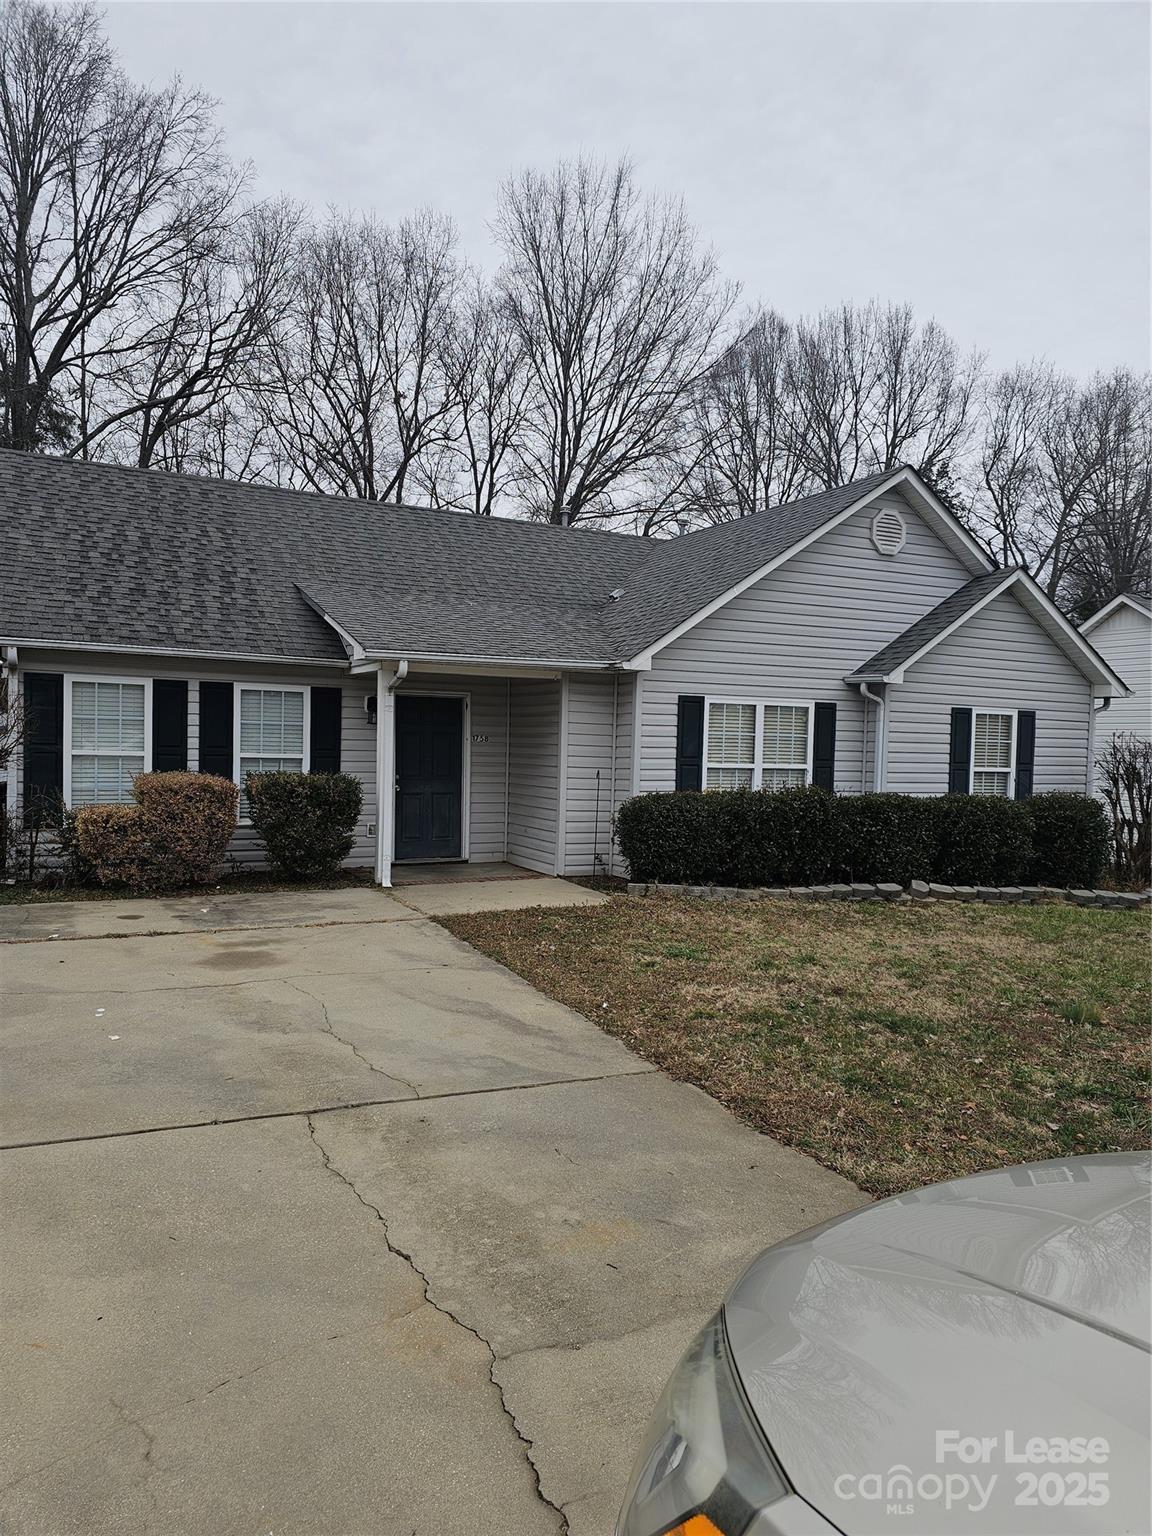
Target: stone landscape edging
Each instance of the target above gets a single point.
(917, 891)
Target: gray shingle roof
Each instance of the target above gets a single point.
(933, 623)
(101, 555)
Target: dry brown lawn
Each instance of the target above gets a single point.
(899, 1045)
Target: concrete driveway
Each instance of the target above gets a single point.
(317, 1221)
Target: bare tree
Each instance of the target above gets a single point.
(488, 379)
(1066, 475)
(743, 439)
(359, 389)
(104, 189)
(11, 719)
(196, 341)
(617, 310)
(1125, 772)
(873, 388)
(1113, 550)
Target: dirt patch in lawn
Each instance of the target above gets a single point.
(899, 1045)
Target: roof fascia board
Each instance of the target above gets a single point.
(944, 515)
(1093, 662)
(466, 669)
(513, 663)
(1125, 600)
(157, 650)
(353, 647)
(642, 660)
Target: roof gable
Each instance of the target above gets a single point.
(889, 664)
(753, 547)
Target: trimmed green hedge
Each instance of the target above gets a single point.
(1071, 835)
(804, 836)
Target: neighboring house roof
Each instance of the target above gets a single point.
(1138, 605)
(890, 663)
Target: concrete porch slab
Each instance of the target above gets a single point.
(496, 896)
(454, 874)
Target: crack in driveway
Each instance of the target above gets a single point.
(391, 1077)
(525, 1440)
(153, 1417)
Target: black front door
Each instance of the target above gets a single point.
(429, 777)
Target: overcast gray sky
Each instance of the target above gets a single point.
(988, 162)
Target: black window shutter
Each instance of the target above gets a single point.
(43, 745)
(216, 729)
(1025, 752)
(325, 739)
(824, 747)
(960, 753)
(169, 725)
(689, 742)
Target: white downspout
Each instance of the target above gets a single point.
(386, 767)
(1096, 710)
(878, 750)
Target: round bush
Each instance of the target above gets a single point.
(175, 835)
(306, 820)
(1070, 836)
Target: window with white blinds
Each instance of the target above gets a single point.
(785, 737)
(730, 746)
(753, 746)
(107, 739)
(270, 734)
(993, 750)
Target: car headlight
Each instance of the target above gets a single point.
(704, 1468)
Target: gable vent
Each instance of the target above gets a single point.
(889, 531)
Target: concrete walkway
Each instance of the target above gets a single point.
(317, 1221)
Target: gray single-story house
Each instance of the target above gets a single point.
(1122, 633)
(510, 683)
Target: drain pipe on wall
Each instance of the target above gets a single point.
(386, 766)
(1097, 708)
(878, 755)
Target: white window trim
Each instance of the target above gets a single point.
(758, 764)
(69, 753)
(985, 709)
(260, 685)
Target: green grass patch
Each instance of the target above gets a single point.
(899, 1045)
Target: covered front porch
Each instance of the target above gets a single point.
(492, 772)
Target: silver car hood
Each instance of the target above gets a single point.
(1006, 1307)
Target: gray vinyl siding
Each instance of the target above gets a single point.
(534, 774)
(486, 754)
(358, 737)
(1000, 659)
(1124, 640)
(625, 765)
(794, 635)
(592, 711)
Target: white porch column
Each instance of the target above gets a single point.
(386, 768)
